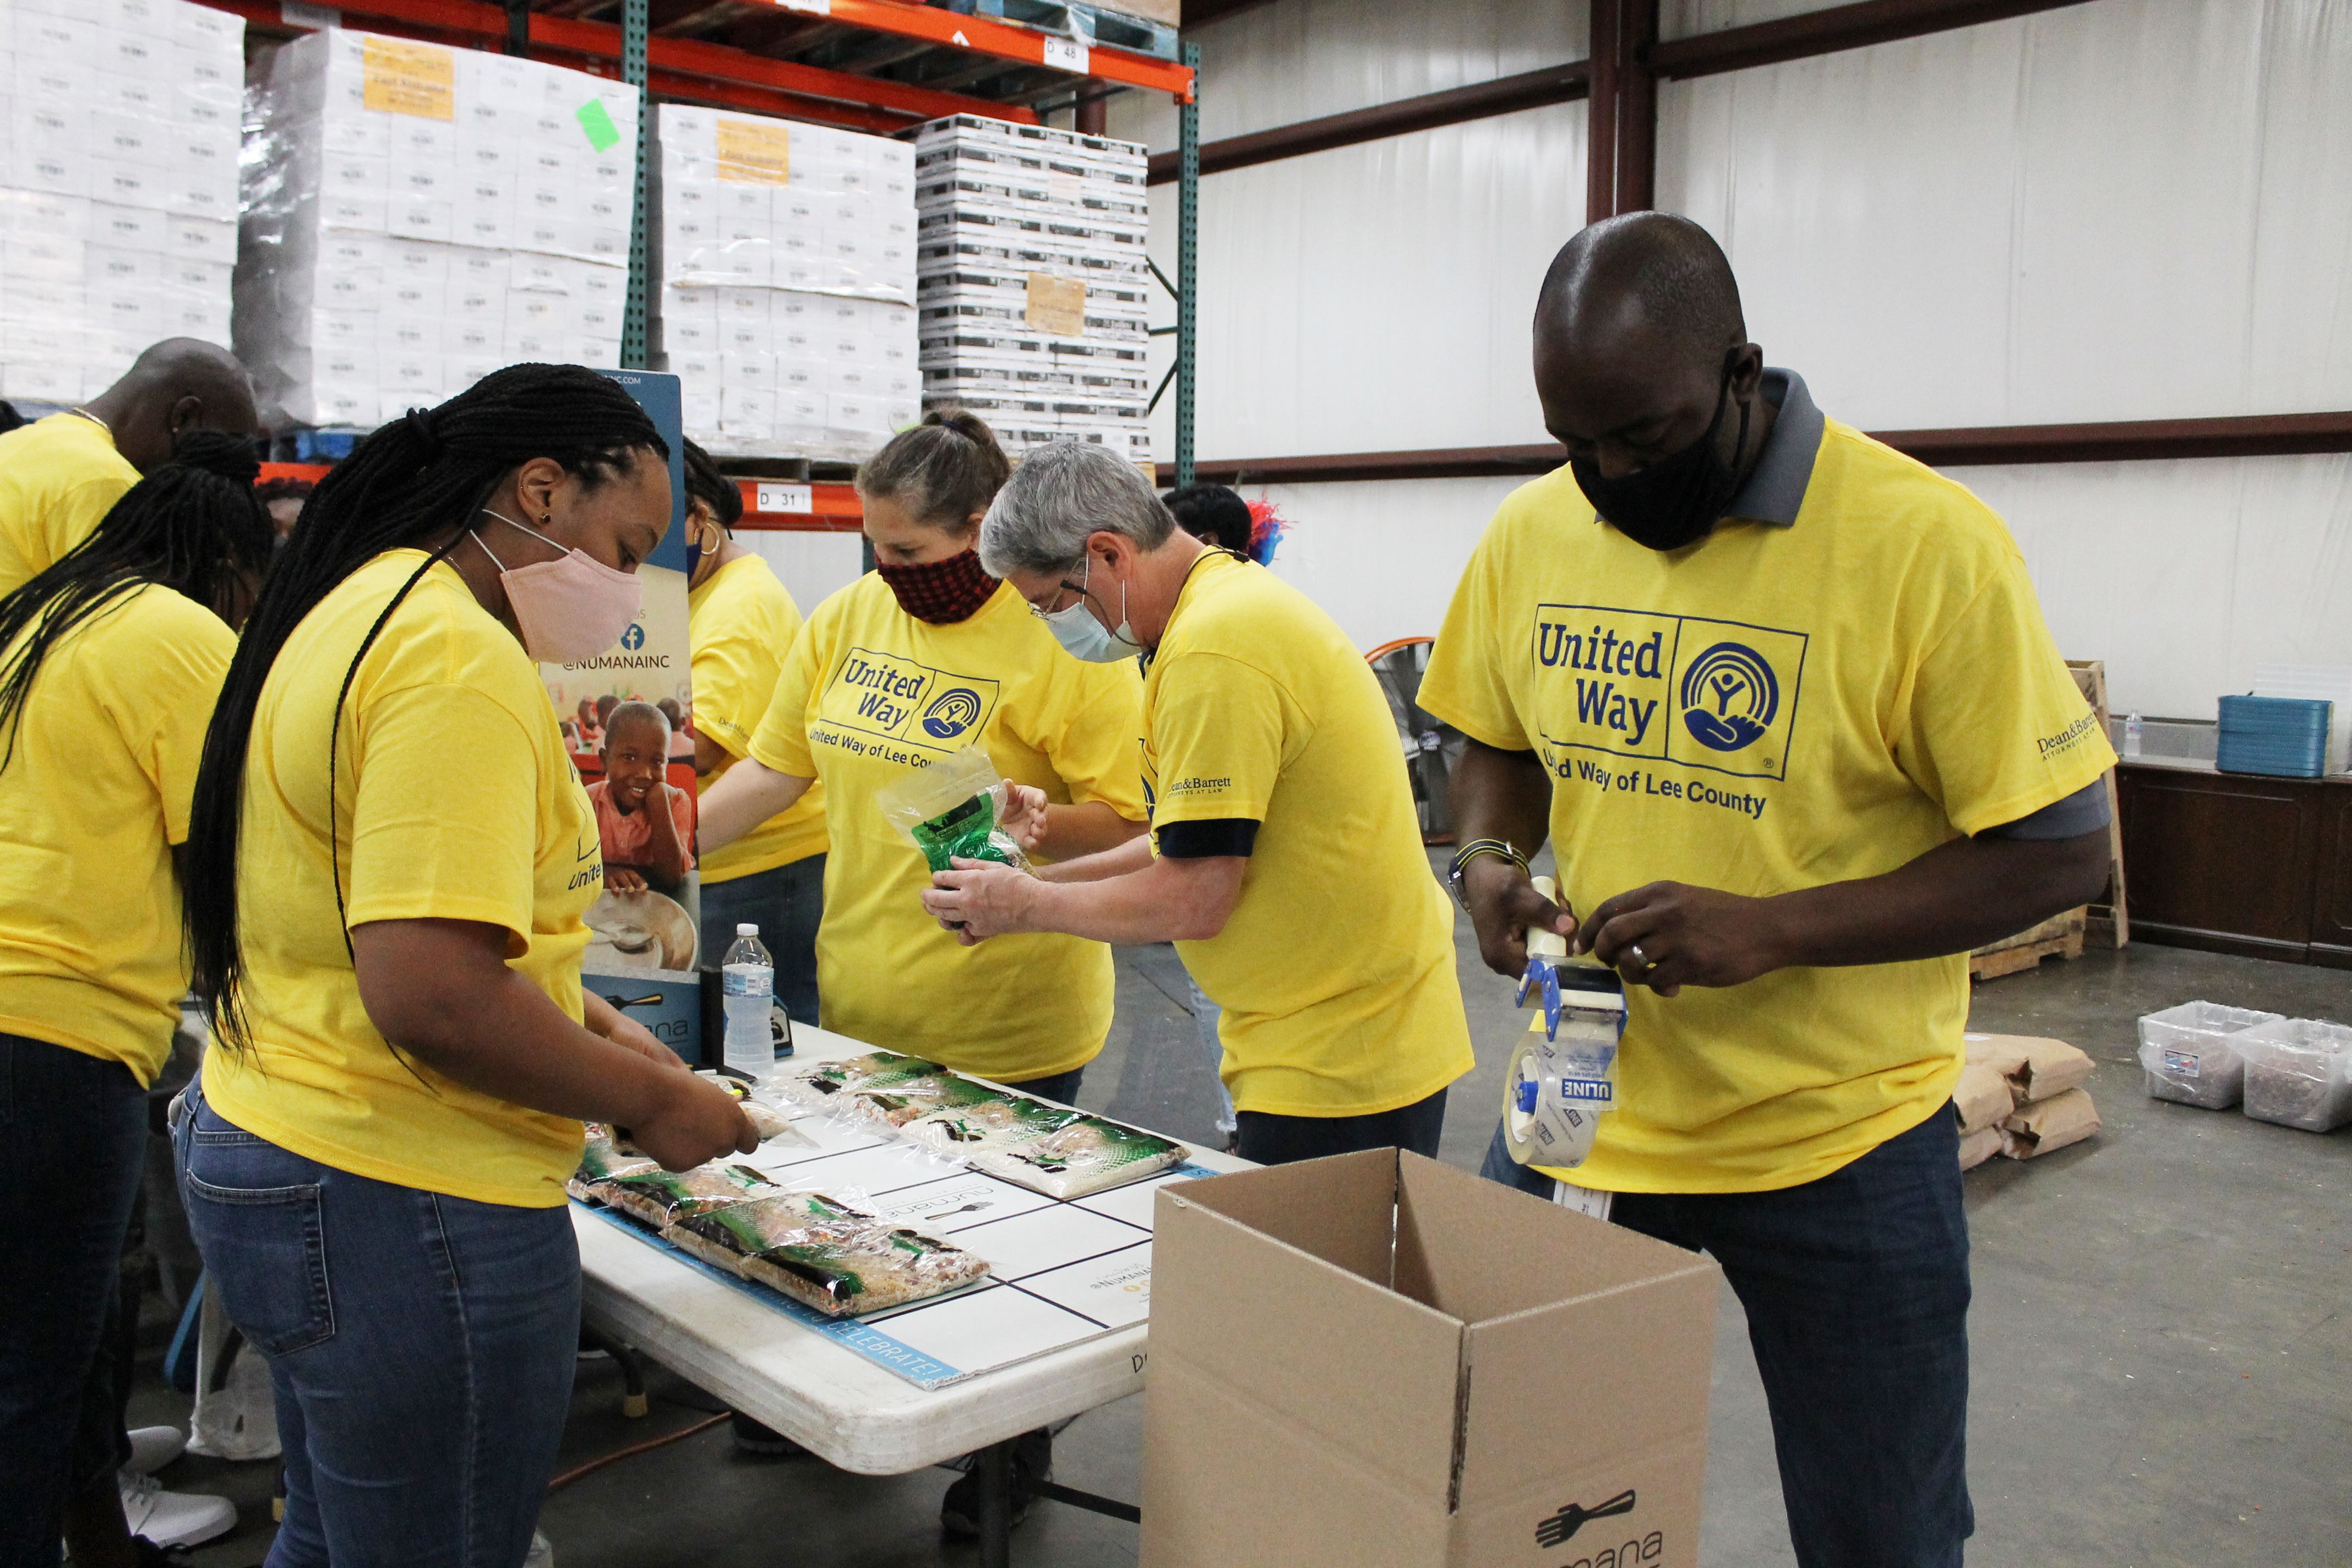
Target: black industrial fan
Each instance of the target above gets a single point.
(1433, 748)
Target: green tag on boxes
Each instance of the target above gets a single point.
(597, 122)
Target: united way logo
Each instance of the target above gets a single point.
(634, 637)
(951, 713)
(1729, 696)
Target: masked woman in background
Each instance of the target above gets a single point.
(112, 659)
(921, 658)
(389, 860)
(744, 622)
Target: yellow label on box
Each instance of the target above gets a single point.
(1057, 305)
(401, 78)
(754, 152)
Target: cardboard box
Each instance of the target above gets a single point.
(1169, 11)
(1381, 1360)
(2037, 1067)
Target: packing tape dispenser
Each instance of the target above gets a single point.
(1559, 1084)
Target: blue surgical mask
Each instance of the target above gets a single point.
(1083, 637)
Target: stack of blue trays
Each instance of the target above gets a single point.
(2282, 736)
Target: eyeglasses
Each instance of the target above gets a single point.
(1051, 606)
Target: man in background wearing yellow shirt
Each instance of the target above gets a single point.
(742, 622)
(1285, 860)
(1784, 703)
(60, 476)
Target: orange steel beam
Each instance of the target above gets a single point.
(833, 507)
(986, 35)
(453, 20)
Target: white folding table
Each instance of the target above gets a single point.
(832, 1401)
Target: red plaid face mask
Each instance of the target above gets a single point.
(940, 592)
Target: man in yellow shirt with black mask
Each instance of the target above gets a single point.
(1784, 703)
(1284, 856)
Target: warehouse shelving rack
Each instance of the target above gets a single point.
(876, 66)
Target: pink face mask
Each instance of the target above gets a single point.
(567, 608)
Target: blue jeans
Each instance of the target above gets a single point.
(73, 1139)
(1062, 1086)
(1271, 1140)
(421, 1348)
(787, 903)
(1205, 1016)
(1857, 1290)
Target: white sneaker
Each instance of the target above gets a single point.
(153, 1447)
(174, 1519)
(543, 1551)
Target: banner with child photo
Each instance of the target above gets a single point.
(627, 716)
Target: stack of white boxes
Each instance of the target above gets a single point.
(1034, 285)
(418, 216)
(118, 185)
(785, 255)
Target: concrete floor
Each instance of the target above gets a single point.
(2161, 1334)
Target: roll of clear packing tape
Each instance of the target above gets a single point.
(1555, 1091)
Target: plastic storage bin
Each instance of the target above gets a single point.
(2189, 1057)
(2285, 737)
(2298, 1073)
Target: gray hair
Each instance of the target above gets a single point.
(1061, 493)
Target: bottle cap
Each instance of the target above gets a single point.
(746, 928)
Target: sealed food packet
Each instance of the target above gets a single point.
(771, 1124)
(1000, 1122)
(604, 1159)
(867, 1272)
(821, 1082)
(899, 1103)
(1088, 1156)
(952, 809)
(726, 1236)
(660, 1197)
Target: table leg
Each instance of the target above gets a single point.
(993, 1466)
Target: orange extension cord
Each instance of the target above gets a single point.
(683, 1432)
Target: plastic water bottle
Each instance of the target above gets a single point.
(748, 980)
(2131, 735)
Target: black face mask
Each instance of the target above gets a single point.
(1676, 500)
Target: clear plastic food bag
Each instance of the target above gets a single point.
(952, 809)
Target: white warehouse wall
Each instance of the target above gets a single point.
(2123, 209)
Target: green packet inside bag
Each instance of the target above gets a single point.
(950, 810)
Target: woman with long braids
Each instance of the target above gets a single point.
(109, 661)
(388, 864)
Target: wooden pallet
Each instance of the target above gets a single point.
(2115, 915)
(2060, 936)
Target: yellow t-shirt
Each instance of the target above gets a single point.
(90, 804)
(58, 479)
(869, 692)
(1335, 970)
(1774, 708)
(453, 799)
(742, 623)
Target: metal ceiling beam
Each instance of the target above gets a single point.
(1529, 90)
(2130, 440)
(1829, 31)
